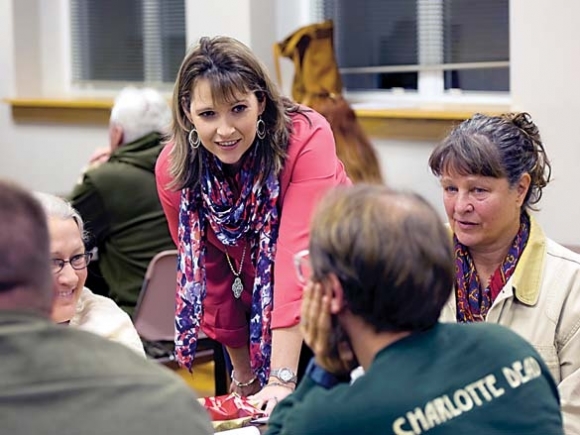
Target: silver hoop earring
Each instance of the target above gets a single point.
(261, 128)
(193, 139)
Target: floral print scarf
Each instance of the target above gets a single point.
(253, 216)
(473, 302)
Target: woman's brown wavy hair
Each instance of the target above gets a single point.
(231, 68)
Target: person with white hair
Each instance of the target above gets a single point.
(73, 303)
(117, 195)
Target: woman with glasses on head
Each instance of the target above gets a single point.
(75, 304)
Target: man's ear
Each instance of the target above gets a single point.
(115, 136)
(337, 301)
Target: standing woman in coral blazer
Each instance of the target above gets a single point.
(238, 184)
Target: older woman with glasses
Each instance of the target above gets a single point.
(75, 304)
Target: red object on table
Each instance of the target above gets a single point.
(230, 407)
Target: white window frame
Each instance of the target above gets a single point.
(431, 83)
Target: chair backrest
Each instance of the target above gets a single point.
(155, 310)
(154, 318)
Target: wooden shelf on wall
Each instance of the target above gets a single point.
(61, 111)
(427, 123)
(422, 123)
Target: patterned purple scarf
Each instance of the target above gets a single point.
(473, 302)
(254, 215)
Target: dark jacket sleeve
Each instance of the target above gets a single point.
(299, 412)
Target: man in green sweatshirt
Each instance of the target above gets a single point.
(377, 274)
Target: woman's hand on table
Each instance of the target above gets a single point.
(271, 394)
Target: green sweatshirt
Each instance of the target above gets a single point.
(477, 379)
(57, 379)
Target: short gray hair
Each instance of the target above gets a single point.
(140, 111)
(56, 207)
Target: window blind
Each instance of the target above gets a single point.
(127, 40)
(387, 43)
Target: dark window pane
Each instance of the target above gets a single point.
(173, 37)
(380, 81)
(375, 33)
(385, 33)
(490, 79)
(118, 40)
(476, 31)
(109, 40)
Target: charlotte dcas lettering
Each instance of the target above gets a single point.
(472, 396)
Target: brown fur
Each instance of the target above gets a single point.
(317, 84)
(353, 147)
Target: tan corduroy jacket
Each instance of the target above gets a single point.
(541, 302)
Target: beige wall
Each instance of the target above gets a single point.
(544, 50)
(251, 21)
(42, 157)
(545, 62)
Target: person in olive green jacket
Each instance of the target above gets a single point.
(60, 380)
(117, 195)
(378, 272)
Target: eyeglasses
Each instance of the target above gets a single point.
(303, 266)
(77, 262)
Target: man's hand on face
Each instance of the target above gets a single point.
(322, 333)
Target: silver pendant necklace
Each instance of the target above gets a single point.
(237, 286)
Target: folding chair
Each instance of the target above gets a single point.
(154, 318)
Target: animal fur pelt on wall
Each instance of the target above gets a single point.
(317, 84)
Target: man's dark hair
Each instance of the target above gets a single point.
(390, 251)
(24, 244)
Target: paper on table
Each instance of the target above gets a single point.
(247, 430)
